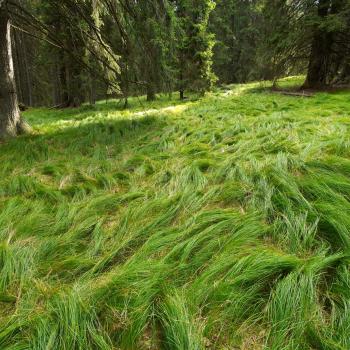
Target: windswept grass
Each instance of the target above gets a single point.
(220, 223)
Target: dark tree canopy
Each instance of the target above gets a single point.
(69, 52)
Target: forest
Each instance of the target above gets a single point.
(174, 174)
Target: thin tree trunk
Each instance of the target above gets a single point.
(56, 91)
(125, 91)
(10, 119)
(92, 92)
(64, 100)
(29, 101)
(181, 79)
(182, 95)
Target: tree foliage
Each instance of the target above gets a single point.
(92, 49)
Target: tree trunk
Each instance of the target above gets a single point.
(17, 64)
(64, 98)
(56, 89)
(320, 56)
(124, 85)
(10, 119)
(151, 95)
(29, 100)
(92, 94)
(22, 69)
(75, 98)
(181, 81)
(182, 95)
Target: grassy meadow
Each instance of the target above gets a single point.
(216, 223)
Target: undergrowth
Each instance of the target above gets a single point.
(218, 223)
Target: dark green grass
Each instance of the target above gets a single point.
(219, 223)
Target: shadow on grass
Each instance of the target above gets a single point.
(96, 140)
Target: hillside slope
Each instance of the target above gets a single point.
(220, 223)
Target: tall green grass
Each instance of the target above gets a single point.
(220, 223)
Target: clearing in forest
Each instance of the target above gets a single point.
(218, 223)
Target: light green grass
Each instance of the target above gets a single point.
(219, 223)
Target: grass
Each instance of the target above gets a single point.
(219, 223)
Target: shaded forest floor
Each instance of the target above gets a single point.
(220, 223)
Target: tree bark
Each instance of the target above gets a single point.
(181, 78)
(62, 73)
(92, 90)
(151, 95)
(56, 89)
(29, 99)
(23, 76)
(74, 83)
(11, 123)
(17, 66)
(321, 49)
